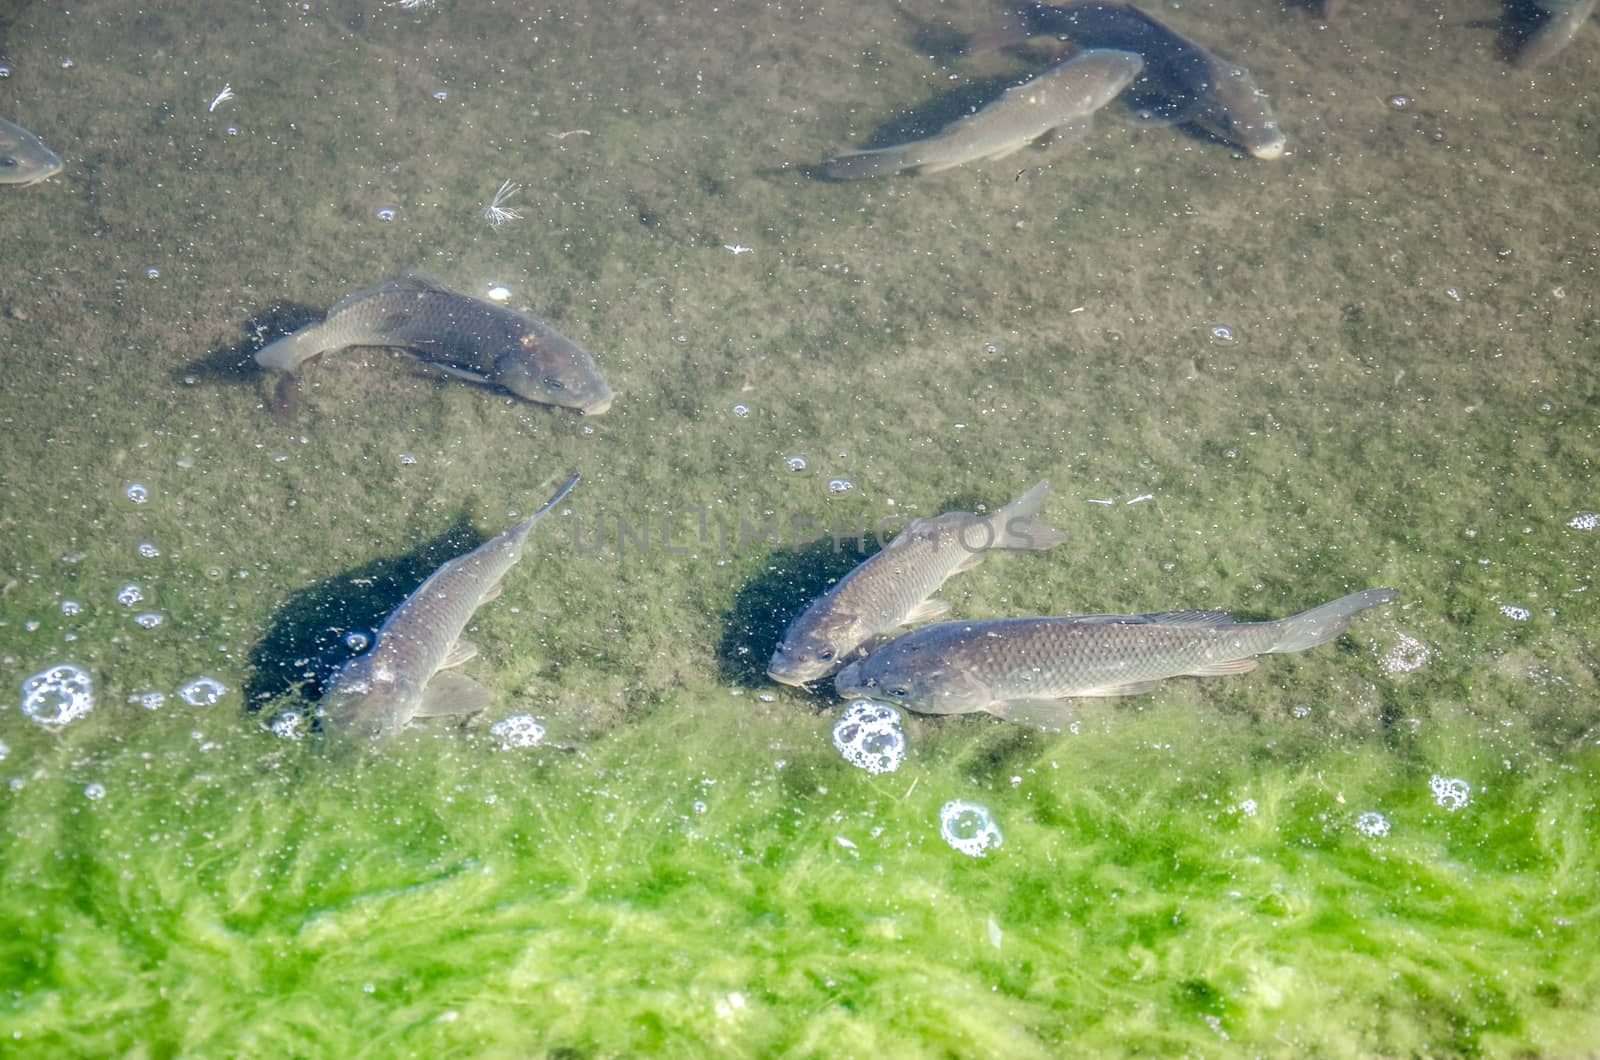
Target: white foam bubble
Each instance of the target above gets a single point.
(968, 827)
(288, 725)
(868, 736)
(1373, 824)
(518, 730)
(56, 696)
(1450, 792)
(202, 691)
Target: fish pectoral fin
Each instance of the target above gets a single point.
(492, 593)
(1222, 669)
(459, 653)
(970, 562)
(452, 372)
(1132, 688)
(1050, 715)
(452, 693)
(927, 611)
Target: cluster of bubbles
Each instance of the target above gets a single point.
(840, 485)
(288, 725)
(868, 735)
(129, 595)
(1450, 792)
(58, 695)
(1409, 654)
(1373, 824)
(518, 730)
(202, 691)
(1584, 521)
(1515, 613)
(148, 700)
(968, 827)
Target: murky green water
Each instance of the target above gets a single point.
(1385, 846)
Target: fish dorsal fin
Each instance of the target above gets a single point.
(412, 281)
(459, 653)
(448, 692)
(927, 611)
(1190, 618)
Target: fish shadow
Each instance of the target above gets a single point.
(236, 363)
(765, 606)
(1519, 19)
(305, 639)
(927, 118)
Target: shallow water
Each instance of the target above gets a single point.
(1254, 385)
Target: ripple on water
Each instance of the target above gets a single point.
(968, 827)
(58, 695)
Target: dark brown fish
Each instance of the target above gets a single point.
(456, 334)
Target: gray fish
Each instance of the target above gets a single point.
(455, 334)
(1561, 22)
(1060, 99)
(1024, 669)
(405, 674)
(1181, 81)
(893, 587)
(24, 159)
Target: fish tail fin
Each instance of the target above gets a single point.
(1017, 526)
(860, 165)
(288, 352)
(1321, 624)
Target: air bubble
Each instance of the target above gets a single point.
(148, 550)
(137, 492)
(149, 619)
(202, 691)
(148, 700)
(406, 459)
(1373, 824)
(1222, 333)
(868, 736)
(385, 213)
(518, 730)
(70, 607)
(1399, 102)
(441, 95)
(498, 292)
(288, 725)
(152, 273)
(129, 595)
(1450, 792)
(840, 485)
(58, 695)
(356, 640)
(796, 463)
(741, 411)
(94, 790)
(968, 827)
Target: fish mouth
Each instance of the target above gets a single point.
(598, 405)
(1270, 150)
(785, 679)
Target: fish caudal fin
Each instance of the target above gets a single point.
(861, 165)
(1015, 525)
(289, 352)
(1321, 624)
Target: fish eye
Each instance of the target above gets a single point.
(825, 654)
(553, 383)
(899, 691)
